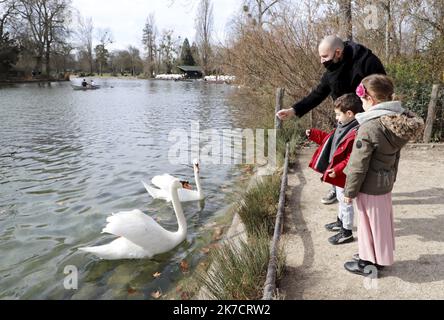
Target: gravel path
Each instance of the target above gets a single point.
(315, 268)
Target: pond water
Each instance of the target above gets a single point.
(70, 158)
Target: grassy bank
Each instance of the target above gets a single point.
(239, 266)
(239, 269)
(258, 206)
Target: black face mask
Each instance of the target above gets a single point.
(331, 66)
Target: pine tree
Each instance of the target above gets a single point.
(149, 42)
(186, 56)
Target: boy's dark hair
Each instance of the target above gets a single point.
(349, 102)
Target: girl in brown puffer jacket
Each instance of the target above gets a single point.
(385, 128)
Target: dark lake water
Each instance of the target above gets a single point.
(71, 158)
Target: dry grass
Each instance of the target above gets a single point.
(239, 269)
(258, 206)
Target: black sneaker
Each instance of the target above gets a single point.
(343, 237)
(330, 198)
(334, 226)
(356, 258)
(363, 268)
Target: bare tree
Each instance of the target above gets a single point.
(387, 5)
(256, 10)
(135, 60)
(431, 13)
(85, 37)
(204, 30)
(149, 42)
(102, 54)
(7, 12)
(167, 50)
(345, 7)
(9, 48)
(47, 24)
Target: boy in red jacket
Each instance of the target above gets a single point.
(332, 157)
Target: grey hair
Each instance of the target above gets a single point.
(334, 42)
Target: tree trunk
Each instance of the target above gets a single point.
(48, 60)
(387, 30)
(39, 61)
(259, 16)
(280, 92)
(431, 115)
(346, 17)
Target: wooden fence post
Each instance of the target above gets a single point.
(431, 114)
(280, 92)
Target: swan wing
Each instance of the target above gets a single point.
(120, 248)
(163, 182)
(186, 195)
(138, 228)
(155, 193)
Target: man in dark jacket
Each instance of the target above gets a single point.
(347, 64)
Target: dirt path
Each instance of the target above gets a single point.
(315, 268)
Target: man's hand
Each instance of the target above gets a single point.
(286, 114)
(331, 173)
(348, 200)
(308, 133)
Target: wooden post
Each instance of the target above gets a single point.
(280, 92)
(270, 283)
(431, 115)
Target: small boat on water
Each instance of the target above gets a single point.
(88, 87)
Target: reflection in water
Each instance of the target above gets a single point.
(71, 158)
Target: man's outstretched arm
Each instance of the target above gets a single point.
(314, 99)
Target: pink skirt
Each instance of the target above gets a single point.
(376, 232)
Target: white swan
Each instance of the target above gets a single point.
(185, 194)
(140, 236)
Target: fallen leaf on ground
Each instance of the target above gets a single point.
(186, 295)
(131, 290)
(184, 266)
(217, 235)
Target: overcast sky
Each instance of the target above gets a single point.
(126, 19)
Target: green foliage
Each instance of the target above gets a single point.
(414, 79)
(102, 54)
(413, 83)
(9, 53)
(186, 55)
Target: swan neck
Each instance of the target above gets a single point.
(182, 222)
(197, 179)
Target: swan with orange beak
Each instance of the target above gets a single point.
(186, 194)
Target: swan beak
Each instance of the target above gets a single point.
(186, 185)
